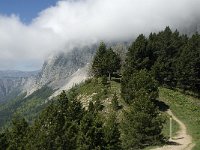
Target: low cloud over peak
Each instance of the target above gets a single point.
(87, 21)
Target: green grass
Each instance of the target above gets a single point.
(94, 85)
(187, 109)
(89, 87)
(150, 147)
(175, 128)
(28, 107)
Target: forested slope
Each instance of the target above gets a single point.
(117, 107)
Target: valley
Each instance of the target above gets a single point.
(79, 96)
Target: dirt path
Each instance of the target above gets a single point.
(182, 141)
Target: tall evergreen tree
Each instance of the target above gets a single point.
(113, 62)
(112, 134)
(58, 125)
(99, 61)
(188, 65)
(137, 81)
(137, 56)
(168, 48)
(4, 140)
(91, 135)
(141, 125)
(105, 62)
(17, 136)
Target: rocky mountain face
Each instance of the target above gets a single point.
(190, 30)
(17, 74)
(59, 72)
(64, 70)
(12, 81)
(59, 69)
(30, 94)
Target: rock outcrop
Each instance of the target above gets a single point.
(62, 70)
(12, 82)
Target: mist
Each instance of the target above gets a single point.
(85, 22)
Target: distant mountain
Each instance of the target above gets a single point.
(28, 93)
(17, 74)
(12, 81)
(191, 29)
(58, 69)
(31, 92)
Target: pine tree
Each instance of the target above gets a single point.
(4, 139)
(137, 56)
(187, 65)
(113, 62)
(99, 61)
(112, 134)
(91, 135)
(169, 44)
(137, 81)
(17, 136)
(105, 62)
(142, 124)
(58, 125)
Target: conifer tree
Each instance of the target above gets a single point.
(168, 48)
(105, 62)
(113, 62)
(17, 136)
(99, 62)
(91, 135)
(4, 140)
(188, 65)
(137, 56)
(58, 125)
(142, 124)
(112, 134)
(137, 81)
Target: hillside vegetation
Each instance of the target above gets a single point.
(28, 107)
(187, 109)
(118, 107)
(104, 123)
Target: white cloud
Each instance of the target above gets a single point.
(87, 21)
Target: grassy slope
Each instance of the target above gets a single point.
(187, 109)
(33, 104)
(175, 127)
(93, 90)
(28, 107)
(95, 86)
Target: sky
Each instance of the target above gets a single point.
(25, 9)
(32, 30)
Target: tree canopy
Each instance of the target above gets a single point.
(105, 62)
